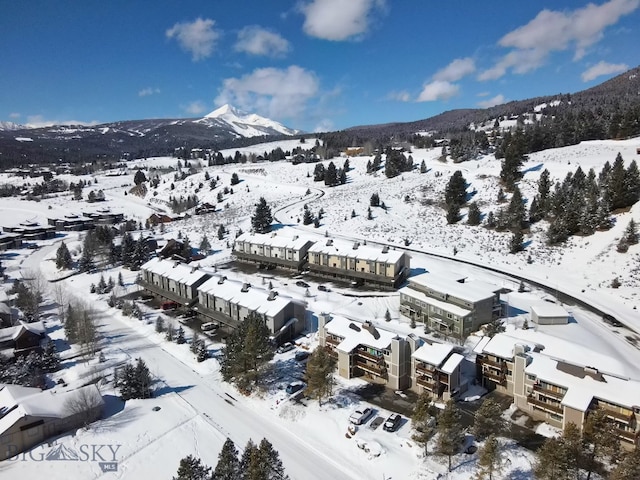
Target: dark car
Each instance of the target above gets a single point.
(302, 284)
(294, 387)
(301, 356)
(392, 422)
(169, 305)
(322, 288)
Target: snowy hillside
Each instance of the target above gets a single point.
(244, 124)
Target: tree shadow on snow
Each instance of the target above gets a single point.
(167, 389)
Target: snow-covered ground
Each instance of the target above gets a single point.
(198, 411)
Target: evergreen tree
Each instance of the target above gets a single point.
(387, 316)
(221, 232)
(342, 176)
(631, 233)
(202, 354)
(616, 192)
(140, 254)
(516, 211)
(632, 184)
(127, 249)
(318, 172)
(494, 327)
(205, 245)
(488, 420)
(423, 421)
(159, 324)
(491, 221)
(453, 213)
(191, 468)
(515, 245)
(139, 177)
(573, 448)
(193, 346)
(552, 462)
(235, 179)
(50, 361)
(120, 279)
(169, 336)
(228, 466)
(262, 218)
(489, 459)
(331, 175)
(270, 463)
(71, 325)
(423, 167)
(375, 200)
(180, 336)
(369, 214)
(601, 440)
(307, 217)
(247, 352)
(319, 374)
(450, 431)
(456, 189)
(474, 216)
(63, 257)
(628, 468)
(544, 189)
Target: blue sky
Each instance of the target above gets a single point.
(315, 65)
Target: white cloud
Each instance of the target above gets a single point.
(438, 90)
(276, 93)
(324, 125)
(339, 19)
(38, 121)
(552, 31)
(145, 92)
(197, 37)
(401, 96)
(457, 69)
(256, 40)
(14, 115)
(492, 102)
(194, 108)
(603, 68)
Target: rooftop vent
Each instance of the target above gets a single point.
(355, 327)
(329, 242)
(245, 287)
(221, 280)
(356, 245)
(385, 249)
(295, 237)
(272, 295)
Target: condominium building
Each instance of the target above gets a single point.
(560, 382)
(172, 280)
(454, 308)
(435, 369)
(272, 250)
(230, 301)
(359, 263)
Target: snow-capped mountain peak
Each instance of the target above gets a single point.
(11, 126)
(244, 124)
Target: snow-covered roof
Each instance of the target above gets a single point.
(433, 354)
(452, 363)
(176, 271)
(289, 240)
(17, 402)
(548, 309)
(582, 388)
(254, 298)
(11, 333)
(356, 333)
(471, 291)
(556, 348)
(449, 307)
(363, 252)
(479, 348)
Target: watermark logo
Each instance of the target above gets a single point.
(105, 455)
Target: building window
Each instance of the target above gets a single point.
(531, 377)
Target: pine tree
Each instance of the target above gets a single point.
(516, 211)
(228, 466)
(488, 420)
(474, 217)
(489, 459)
(552, 462)
(180, 336)
(191, 468)
(169, 336)
(71, 325)
(628, 468)
(632, 184)
(247, 352)
(63, 257)
(331, 175)
(140, 254)
(221, 232)
(271, 467)
(453, 213)
(515, 245)
(424, 421)
(319, 374)
(494, 327)
(202, 354)
(159, 324)
(307, 217)
(456, 189)
(235, 179)
(631, 233)
(603, 445)
(450, 431)
(262, 218)
(50, 361)
(120, 279)
(127, 249)
(369, 214)
(423, 167)
(387, 316)
(374, 201)
(205, 245)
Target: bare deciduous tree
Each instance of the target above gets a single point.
(83, 403)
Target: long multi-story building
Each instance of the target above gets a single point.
(230, 301)
(363, 350)
(559, 382)
(272, 250)
(360, 263)
(173, 280)
(455, 308)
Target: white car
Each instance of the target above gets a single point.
(285, 347)
(360, 416)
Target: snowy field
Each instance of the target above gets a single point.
(197, 411)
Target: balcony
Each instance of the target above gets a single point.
(627, 435)
(380, 371)
(499, 364)
(332, 341)
(550, 407)
(425, 368)
(427, 383)
(559, 395)
(267, 260)
(369, 356)
(498, 378)
(622, 417)
(161, 292)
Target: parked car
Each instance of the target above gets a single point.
(322, 288)
(294, 387)
(360, 416)
(302, 284)
(301, 355)
(169, 305)
(285, 347)
(209, 326)
(392, 422)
